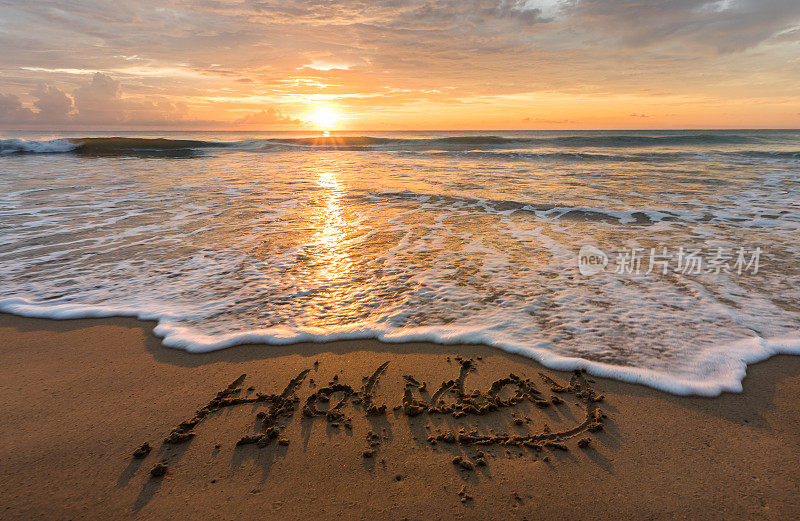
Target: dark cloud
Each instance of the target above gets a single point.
(722, 25)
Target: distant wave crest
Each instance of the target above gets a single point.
(21, 146)
(123, 145)
(490, 141)
(102, 145)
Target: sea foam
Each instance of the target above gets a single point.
(21, 146)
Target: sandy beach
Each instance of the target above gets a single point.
(311, 438)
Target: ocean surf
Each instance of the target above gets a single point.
(227, 238)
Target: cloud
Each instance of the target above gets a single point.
(270, 116)
(100, 99)
(52, 106)
(52, 103)
(724, 26)
(151, 63)
(449, 14)
(12, 111)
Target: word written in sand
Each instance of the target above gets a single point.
(336, 401)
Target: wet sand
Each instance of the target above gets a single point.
(323, 431)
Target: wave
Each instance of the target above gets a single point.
(640, 157)
(472, 147)
(479, 140)
(99, 145)
(613, 140)
(644, 216)
(337, 141)
(21, 146)
(555, 156)
(138, 145)
(766, 154)
(369, 141)
(625, 140)
(125, 145)
(102, 145)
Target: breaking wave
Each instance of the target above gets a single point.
(102, 145)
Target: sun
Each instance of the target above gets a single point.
(324, 118)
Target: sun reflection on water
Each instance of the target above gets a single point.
(332, 227)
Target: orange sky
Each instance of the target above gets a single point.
(460, 64)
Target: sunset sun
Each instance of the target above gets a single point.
(324, 118)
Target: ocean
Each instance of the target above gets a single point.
(667, 258)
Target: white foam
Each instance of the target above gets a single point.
(729, 362)
(51, 146)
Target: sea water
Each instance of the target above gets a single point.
(666, 258)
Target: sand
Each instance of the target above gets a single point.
(365, 430)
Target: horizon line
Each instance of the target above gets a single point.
(703, 129)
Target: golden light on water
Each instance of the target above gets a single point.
(332, 227)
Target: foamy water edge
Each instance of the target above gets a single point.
(735, 357)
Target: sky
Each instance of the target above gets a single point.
(399, 65)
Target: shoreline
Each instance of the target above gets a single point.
(741, 353)
(79, 395)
